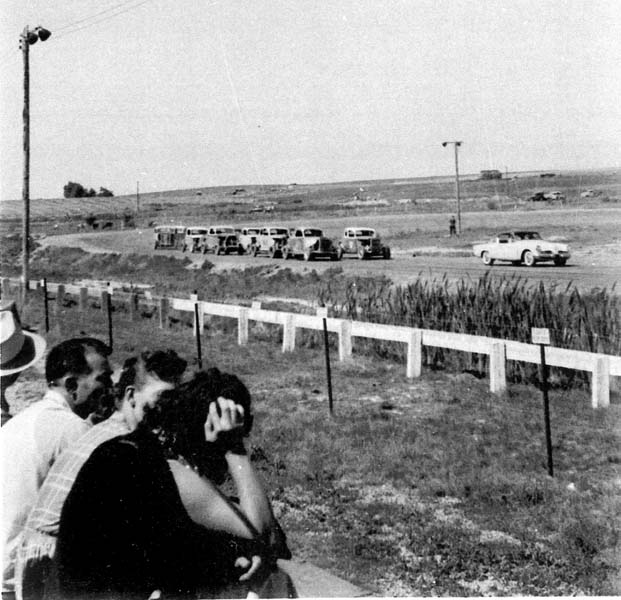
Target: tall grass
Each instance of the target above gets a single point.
(505, 308)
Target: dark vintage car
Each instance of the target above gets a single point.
(309, 243)
(168, 236)
(221, 239)
(363, 242)
(270, 241)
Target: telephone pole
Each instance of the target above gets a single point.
(456, 145)
(26, 39)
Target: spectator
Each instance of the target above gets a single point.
(140, 383)
(19, 349)
(130, 524)
(452, 229)
(78, 376)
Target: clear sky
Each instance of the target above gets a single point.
(186, 93)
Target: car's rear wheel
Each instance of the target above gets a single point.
(487, 259)
(220, 250)
(560, 262)
(529, 258)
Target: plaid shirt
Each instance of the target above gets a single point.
(43, 522)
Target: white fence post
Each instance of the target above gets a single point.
(242, 327)
(497, 368)
(256, 305)
(345, 339)
(415, 354)
(288, 334)
(600, 383)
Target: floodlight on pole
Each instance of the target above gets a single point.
(27, 38)
(456, 145)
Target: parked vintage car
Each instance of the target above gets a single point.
(221, 239)
(363, 242)
(193, 239)
(309, 243)
(270, 241)
(521, 247)
(555, 195)
(247, 237)
(590, 194)
(168, 236)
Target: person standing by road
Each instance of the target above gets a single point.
(452, 228)
(78, 376)
(19, 349)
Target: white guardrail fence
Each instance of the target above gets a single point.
(601, 366)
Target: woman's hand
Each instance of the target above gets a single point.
(225, 421)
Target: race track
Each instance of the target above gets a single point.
(587, 269)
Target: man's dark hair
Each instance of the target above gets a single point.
(69, 357)
(166, 364)
(178, 419)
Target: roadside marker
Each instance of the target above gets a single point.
(541, 336)
(323, 313)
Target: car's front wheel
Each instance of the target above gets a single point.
(308, 255)
(487, 259)
(529, 258)
(361, 253)
(386, 253)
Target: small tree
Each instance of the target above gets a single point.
(104, 192)
(74, 190)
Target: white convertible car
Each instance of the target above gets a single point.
(521, 247)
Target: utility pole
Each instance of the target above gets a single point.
(27, 39)
(25, 45)
(456, 145)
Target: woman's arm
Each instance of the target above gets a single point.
(207, 506)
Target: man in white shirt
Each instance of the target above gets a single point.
(79, 379)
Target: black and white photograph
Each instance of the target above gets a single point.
(310, 299)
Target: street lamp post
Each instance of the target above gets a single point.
(27, 38)
(456, 145)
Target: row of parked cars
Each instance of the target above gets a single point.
(274, 241)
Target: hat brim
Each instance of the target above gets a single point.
(31, 352)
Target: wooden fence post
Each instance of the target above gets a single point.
(163, 313)
(345, 339)
(83, 302)
(60, 297)
(242, 327)
(288, 334)
(600, 383)
(5, 287)
(133, 306)
(414, 366)
(104, 300)
(497, 368)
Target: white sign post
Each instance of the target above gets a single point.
(541, 336)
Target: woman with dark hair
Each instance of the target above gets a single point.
(145, 512)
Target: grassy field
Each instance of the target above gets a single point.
(423, 487)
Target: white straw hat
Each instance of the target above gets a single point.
(18, 348)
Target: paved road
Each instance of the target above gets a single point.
(585, 270)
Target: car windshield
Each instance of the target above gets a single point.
(312, 232)
(527, 235)
(225, 230)
(197, 231)
(251, 231)
(364, 232)
(278, 231)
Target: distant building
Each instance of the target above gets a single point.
(491, 174)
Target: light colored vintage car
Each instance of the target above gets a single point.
(270, 241)
(193, 239)
(521, 247)
(363, 242)
(247, 237)
(309, 243)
